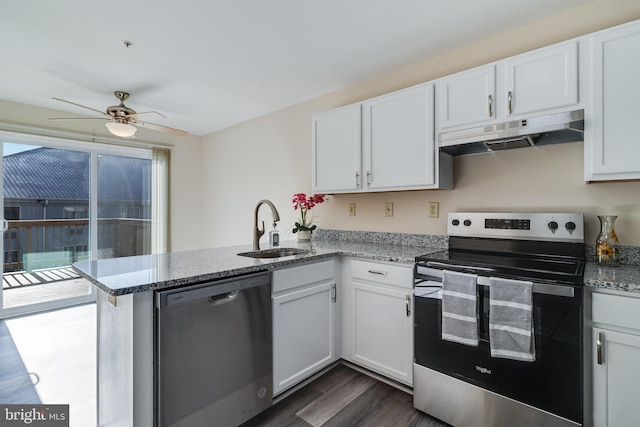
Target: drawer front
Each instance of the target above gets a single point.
(306, 274)
(616, 310)
(389, 274)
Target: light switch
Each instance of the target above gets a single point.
(352, 209)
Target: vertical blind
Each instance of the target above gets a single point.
(160, 241)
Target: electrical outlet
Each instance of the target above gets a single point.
(388, 209)
(352, 209)
(433, 210)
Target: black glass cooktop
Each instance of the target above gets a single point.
(557, 262)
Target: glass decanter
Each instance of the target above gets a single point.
(607, 244)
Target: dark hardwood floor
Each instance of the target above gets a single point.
(345, 397)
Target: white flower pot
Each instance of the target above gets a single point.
(304, 235)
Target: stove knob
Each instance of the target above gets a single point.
(455, 222)
(467, 222)
(553, 226)
(570, 226)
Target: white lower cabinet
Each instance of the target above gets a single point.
(379, 319)
(616, 352)
(366, 319)
(304, 327)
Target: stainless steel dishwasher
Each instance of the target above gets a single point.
(214, 352)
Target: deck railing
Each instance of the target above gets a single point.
(37, 244)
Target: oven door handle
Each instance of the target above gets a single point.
(437, 264)
(555, 290)
(483, 280)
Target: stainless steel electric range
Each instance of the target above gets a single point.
(463, 384)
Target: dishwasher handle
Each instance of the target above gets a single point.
(216, 292)
(224, 298)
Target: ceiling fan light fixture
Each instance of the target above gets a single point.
(123, 130)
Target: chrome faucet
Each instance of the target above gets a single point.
(257, 233)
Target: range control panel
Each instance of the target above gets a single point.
(565, 227)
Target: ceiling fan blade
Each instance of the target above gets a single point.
(80, 105)
(161, 128)
(77, 118)
(135, 115)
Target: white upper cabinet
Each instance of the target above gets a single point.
(541, 80)
(612, 150)
(399, 140)
(468, 97)
(382, 144)
(337, 145)
(537, 82)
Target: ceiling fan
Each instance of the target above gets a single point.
(121, 119)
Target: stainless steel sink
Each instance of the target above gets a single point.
(274, 253)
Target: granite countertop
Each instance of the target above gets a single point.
(121, 276)
(625, 277)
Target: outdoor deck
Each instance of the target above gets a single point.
(23, 288)
(49, 275)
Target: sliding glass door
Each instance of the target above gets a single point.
(124, 206)
(66, 201)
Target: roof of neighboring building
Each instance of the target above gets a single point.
(51, 173)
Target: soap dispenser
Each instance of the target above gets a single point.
(274, 237)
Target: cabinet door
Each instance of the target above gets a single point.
(336, 140)
(398, 140)
(468, 97)
(612, 150)
(616, 379)
(303, 334)
(542, 80)
(382, 330)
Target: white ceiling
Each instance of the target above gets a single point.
(209, 64)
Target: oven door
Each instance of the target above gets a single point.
(553, 382)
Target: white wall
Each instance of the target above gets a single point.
(270, 157)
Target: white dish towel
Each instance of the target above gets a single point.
(511, 330)
(459, 308)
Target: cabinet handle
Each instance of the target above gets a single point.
(490, 106)
(357, 179)
(408, 305)
(334, 293)
(599, 349)
(382, 273)
(509, 98)
(368, 177)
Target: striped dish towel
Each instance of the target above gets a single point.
(511, 319)
(459, 308)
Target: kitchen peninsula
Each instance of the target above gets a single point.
(126, 304)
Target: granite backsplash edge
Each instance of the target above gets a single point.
(630, 254)
(404, 239)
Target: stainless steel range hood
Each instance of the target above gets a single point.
(535, 131)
